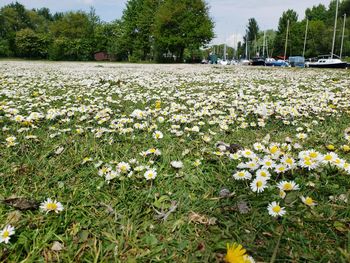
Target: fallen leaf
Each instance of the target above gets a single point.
(201, 219)
(21, 203)
(13, 217)
(243, 207)
(57, 246)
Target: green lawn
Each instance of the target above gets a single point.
(117, 220)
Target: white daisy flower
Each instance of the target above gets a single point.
(6, 233)
(287, 185)
(242, 175)
(275, 209)
(258, 184)
(150, 174)
(51, 206)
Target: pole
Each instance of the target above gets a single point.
(264, 44)
(342, 38)
(307, 25)
(335, 28)
(286, 44)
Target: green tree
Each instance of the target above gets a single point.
(30, 44)
(279, 43)
(181, 24)
(316, 13)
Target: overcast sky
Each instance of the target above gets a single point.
(230, 16)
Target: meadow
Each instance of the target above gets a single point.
(104, 162)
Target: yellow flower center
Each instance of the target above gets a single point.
(6, 234)
(273, 149)
(241, 174)
(309, 201)
(268, 163)
(313, 154)
(276, 209)
(150, 175)
(263, 174)
(307, 162)
(51, 206)
(259, 184)
(287, 186)
(328, 157)
(289, 161)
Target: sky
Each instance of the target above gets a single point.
(230, 16)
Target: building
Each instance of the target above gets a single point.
(101, 56)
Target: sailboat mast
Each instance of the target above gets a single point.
(335, 28)
(225, 51)
(307, 25)
(342, 38)
(264, 44)
(286, 44)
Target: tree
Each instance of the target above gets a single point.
(30, 44)
(181, 24)
(279, 44)
(252, 34)
(316, 13)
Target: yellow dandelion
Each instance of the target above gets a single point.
(235, 254)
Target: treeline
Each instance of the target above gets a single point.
(149, 30)
(319, 38)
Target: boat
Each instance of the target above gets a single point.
(258, 61)
(329, 61)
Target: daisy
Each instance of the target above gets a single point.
(258, 146)
(6, 234)
(267, 163)
(104, 170)
(301, 136)
(248, 154)
(197, 163)
(252, 165)
(329, 157)
(287, 185)
(282, 194)
(123, 167)
(11, 141)
(111, 175)
(281, 168)
(288, 161)
(50, 205)
(308, 163)
(308, 201)
(242, 175)
(275, 209)
(258, 185)
(274, 150)
(157, 135)
(263, 173)
(150, 174)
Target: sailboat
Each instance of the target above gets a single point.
(245, 61)
(329, 62)
(260, 61)
(224, 61)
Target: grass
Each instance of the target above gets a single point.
(117, 222)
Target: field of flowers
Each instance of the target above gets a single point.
(105, 162)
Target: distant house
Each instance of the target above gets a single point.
(100, 56)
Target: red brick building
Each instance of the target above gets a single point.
(100, 56)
